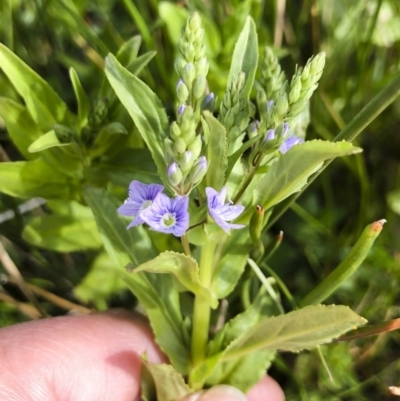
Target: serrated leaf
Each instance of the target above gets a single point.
(43, 103)
(46, 141)
(245, 55)
(169, 385)
(144, 107)
(302, 329)
(21, 127)
(34, 178)
(184, 268)
(217, 147)
(289, 174)
(81, 98)
(155, 292)
(62, 233)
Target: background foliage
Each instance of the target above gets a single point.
(56, 246)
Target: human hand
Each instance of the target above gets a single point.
(90, 358)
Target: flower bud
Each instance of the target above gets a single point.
(208, 102)
(201, 66)
(252, 130)
(295, 89)
(282, 105)
(195, 146)
(179, 64)
(269, 135)
(186, 161)
(168, 150)
(174, 174)
(182, 91)
(181, 109)
(194, 22)
(199, 170)
(199, 87)
(175, 130)
(188, 74)
(179, 145)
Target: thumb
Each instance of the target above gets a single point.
(267, 389)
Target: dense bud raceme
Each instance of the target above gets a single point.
(272, 76)
(221, 212)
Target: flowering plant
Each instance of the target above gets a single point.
(212, 310)
(191, 240)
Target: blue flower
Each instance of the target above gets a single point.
(169, 216)
(223, 212)
(289, 143)
(141, 196)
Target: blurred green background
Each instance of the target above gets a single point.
(55, 246)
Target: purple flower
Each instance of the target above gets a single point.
(222, 212)
(181, 109)
(289, 143)
(141, 196)
(169, 216)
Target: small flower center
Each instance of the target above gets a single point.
(168, 220)
(145, 205)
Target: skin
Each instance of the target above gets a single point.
(93, 358)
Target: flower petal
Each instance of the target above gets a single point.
(128, 209)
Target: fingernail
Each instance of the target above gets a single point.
(222, 393)
(193, 397)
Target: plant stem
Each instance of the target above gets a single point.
(201, 312)
(248, 181)
(185, 245)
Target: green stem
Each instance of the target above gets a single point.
(201, 313)
(368, 114)
(185, 245)
(248, 181)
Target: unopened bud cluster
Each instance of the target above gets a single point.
(234, 112)
(191, 64)
(186, 168)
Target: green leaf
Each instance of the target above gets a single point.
(34, 178)
(100, 283)
(129, 50)
(245, 55)
(22, 129)
(348, 266)
(217, 146)
(43, 103)
(231, 266)
(137, 65)
(290, 173)
(145, 109)
(46, 141)
(302, 329)
(155, 292)
(106, 138)
(62, 233)
(169, 385)
(81, 98)
(184, 268)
